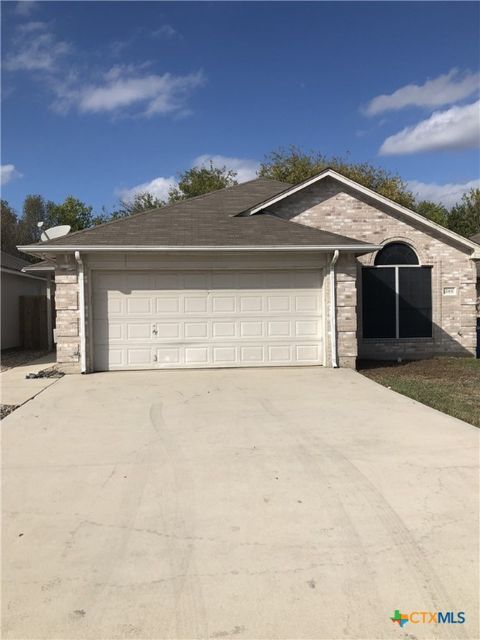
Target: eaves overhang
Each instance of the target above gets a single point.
(38, 249)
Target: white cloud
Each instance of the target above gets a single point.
(25, 7)
(30, 27)
(35, 49)
(158, 187)
(446, 89)
(8, 173)
(446, 194)
(246, 168)
(165, 31)
(455, 128)
(122, 88)
(125, 87)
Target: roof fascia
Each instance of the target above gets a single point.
(39, 249)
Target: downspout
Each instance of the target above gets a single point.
(333, 309)
(81, 302)
(49, 312)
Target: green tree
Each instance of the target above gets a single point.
(293, 165)
(464, 217)
(71, 211)
(9, 228)
(141, 202)
(34, 211)
(200, 180)
(433, 211)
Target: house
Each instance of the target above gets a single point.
(16, 283)
(476, 238)
(263, 274)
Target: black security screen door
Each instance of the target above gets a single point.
(379, 303)
(415, 302)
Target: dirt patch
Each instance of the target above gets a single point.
(11, 358)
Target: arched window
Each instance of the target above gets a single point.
(397, 295)
(396, 253)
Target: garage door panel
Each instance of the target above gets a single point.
(251, 328)
(195, 304)
(168, 356)
(304, 328)
(307, 353)
(139, 357)
(196, 330)
(223, 330)
(224, 355)
(137, 331)
(276, 328)
(186, 319)
(223, 304)
(280, 353)
(251, 304)
(167, 330)
(278, 303)
(138, 305)
(196, 355)
(307, 303)
(167, 304)
(252, 354)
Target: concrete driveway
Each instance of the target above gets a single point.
(260, 504)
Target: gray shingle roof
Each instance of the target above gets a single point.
(12, 262)
(210, 220)
(476, 238)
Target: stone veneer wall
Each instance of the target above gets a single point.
(67, 327)
(331, 206)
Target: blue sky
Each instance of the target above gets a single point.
(102, 99)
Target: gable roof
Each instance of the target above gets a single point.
(209, 221)
(331, 173)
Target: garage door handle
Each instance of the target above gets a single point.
(154, 331)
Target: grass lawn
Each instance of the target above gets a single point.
(451, 385)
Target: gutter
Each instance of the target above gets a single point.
(333, 309)
(356, 248)
(81, 301)
(22, 274)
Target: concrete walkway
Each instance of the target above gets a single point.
(16, 389)
(244, 504)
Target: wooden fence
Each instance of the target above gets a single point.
(33, 322)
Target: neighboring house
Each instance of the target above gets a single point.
(476, 238)
(15, 283)
(263, 274)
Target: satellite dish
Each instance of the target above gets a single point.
(55, 232)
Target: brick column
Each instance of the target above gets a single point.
(67, 320)
(346, 281)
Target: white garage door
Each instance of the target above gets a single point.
(147, 320)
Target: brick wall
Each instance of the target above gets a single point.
(67, 324)
(329, 205)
